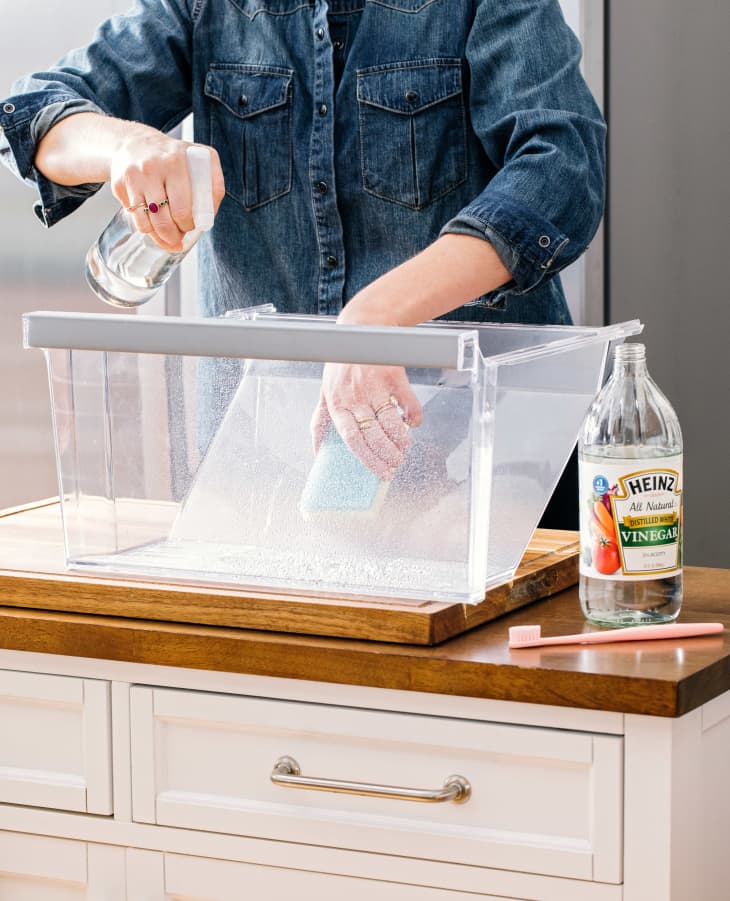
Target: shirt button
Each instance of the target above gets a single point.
(320, 33)
(543, 241)
(323, 109)
(338, 45)
(321, 186)
(331, 261)
(411, 96)
(8, 108)
(243, 100)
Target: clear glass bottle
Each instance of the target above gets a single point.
(630, 474)
(126, 268)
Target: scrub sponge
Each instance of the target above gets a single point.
(339, 483)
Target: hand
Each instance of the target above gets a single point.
(372, 407)
(364, 403)
(151, 167)
(451, 271)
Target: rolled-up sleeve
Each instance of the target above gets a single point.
(542, 132)
(137, 67)
(21, 133)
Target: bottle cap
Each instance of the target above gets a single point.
(202, 186)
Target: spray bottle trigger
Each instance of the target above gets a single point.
(201, 180)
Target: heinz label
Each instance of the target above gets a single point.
(631, 518)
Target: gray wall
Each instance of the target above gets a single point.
(669, 229)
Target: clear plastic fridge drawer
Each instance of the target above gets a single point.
(184, 450)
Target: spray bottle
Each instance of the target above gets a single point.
(126, 268)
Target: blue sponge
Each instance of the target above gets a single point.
(340, 483)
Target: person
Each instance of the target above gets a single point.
(384, 161)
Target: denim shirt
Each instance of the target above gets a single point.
(352, 133)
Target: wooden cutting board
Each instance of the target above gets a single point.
(32, 574)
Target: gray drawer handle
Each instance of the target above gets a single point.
(286, 772)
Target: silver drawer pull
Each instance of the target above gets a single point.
(286, 772)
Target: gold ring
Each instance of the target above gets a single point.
(385, 406)
(367, 423)
(131, 209)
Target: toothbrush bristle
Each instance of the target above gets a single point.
(520, 634)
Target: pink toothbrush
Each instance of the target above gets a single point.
(529, 636)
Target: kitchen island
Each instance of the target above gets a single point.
(150, 760)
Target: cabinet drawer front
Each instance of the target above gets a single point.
(56, 742)
(39, 868)
(194, 878)
(542, 801)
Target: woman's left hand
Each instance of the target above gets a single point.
(372, 407)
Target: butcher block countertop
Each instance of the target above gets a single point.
(665, 678)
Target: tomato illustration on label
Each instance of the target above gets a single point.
(605, 556)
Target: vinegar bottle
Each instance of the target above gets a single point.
(630, 476)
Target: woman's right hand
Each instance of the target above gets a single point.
(151, 167)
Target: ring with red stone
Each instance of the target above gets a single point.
(154, 207)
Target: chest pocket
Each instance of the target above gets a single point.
(250, 127)
(412, 130)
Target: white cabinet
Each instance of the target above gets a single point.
(541, 800)
(56, 742)
(562, 807)
(39, 868)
